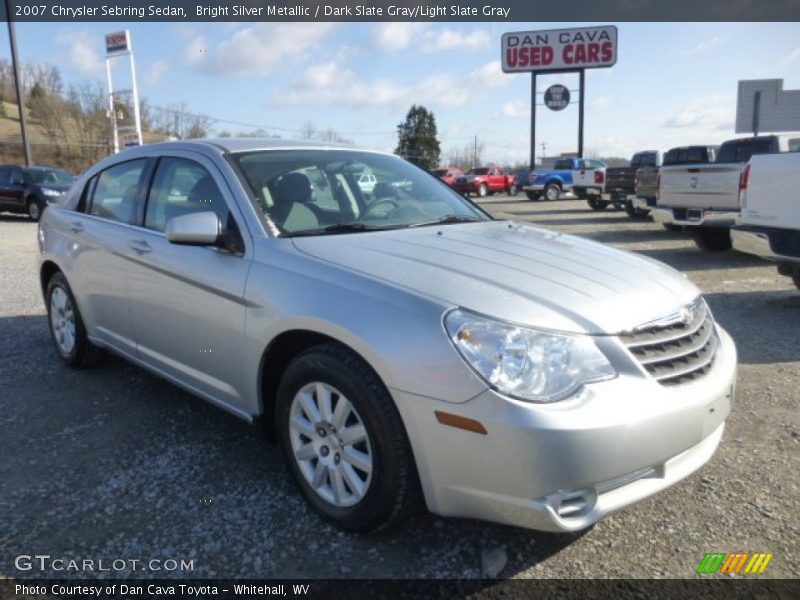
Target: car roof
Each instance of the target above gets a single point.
(249, 144)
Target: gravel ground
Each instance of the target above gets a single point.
(114, 463)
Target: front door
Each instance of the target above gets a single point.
(187, 302)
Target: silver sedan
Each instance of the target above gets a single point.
(401, 345)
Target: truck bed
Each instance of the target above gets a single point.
(621, 180)
(772, 198)
(709, 187)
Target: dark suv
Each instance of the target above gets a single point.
(30, 189)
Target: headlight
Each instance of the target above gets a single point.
(52, 193)
(526, 363)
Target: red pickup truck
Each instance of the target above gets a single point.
(448, 175)
(484, 181)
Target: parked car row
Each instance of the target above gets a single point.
(28, 190)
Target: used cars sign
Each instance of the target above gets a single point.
(554, 49)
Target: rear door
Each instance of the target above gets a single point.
(16, 190)
(100, 270)
(187, 301)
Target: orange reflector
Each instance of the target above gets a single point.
(459, 422)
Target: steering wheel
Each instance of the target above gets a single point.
(383, 201)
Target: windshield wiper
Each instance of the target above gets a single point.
(339, 228)
(447, 219)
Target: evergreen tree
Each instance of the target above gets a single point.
(417, 141)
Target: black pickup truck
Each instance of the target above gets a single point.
(620, 186)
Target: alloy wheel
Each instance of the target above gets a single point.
(330, 444)
(62, 320)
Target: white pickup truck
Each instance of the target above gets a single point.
(770, 221)
(705, 197)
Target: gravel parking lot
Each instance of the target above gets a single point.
(114, 463)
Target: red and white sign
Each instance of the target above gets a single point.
(118, 42)
(554, 49)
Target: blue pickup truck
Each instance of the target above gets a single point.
(548, 183)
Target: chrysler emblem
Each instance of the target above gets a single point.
(688, 313)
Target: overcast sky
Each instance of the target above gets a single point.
(673, 84)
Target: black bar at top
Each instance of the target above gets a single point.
(534, 11)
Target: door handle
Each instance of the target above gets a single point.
(76, 226)
(140, 246)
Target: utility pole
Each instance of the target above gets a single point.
(475, 153)
(544, 149)
(23, 123)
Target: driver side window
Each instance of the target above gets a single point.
(182, 187)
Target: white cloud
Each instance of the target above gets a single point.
(709, 113)
(257, 49)
(396, 37)
(332, 84)
(156, 70)
(448, 39)
(489, 75)
(82, 51)
(600, 103)
(794, 57)
(393, 37)
(708, 44)
(517, 108)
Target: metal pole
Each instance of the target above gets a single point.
(580, 112)
(112, 113)
(756, 111)
(533, 120)
(136, 116)
(23, 123)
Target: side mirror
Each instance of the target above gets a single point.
(195, 229)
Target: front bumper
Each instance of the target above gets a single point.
(695, 217)
(565, 466)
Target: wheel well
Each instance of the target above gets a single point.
(49, 268)
(280, 352)
(555, 182)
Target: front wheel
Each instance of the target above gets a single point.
(66, 325)
(532, 196)
(512, 190)
(597, 203)
(344, 441)
(552, 192)
(34, 209)
(713, 240)
(483, 190)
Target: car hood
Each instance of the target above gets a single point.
(515, 272)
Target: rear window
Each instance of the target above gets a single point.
(478, 172)
(644, 160)
(563, 165)
(740, 151)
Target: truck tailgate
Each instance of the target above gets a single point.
(646, 178)
(701, 186)
(773, 191)
(620, 178)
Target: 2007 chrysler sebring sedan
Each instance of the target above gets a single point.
(399, 342)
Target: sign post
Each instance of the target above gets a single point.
(118, 44)
(559, 51)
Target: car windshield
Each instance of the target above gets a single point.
(317, 192)
(44, 176)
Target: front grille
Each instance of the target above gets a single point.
(676, 350)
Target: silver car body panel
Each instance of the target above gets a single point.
(203, 319)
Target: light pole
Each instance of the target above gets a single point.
(12, 37)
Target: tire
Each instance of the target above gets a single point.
(635, 213)
(65, 324)
(713, 240)
(512, 191)
(483, 190)
(34, 209)
(671, 227)
(532, 196)
(366, 500)
(552, 192)
(796, 279)
(597, 203)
